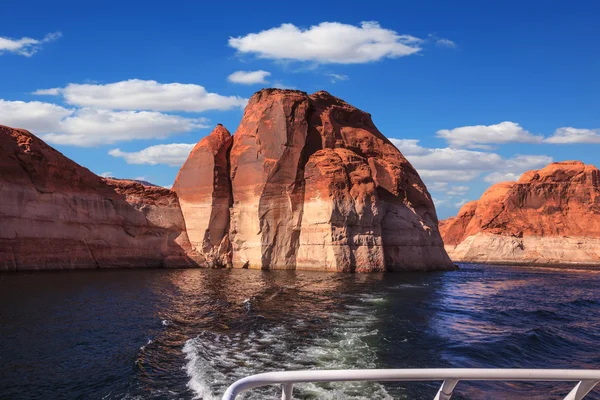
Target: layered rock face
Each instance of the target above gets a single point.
(56, 214)
(204, 191)
(549, 217)
(314, 185)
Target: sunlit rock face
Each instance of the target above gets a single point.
(204, 191)
(306, 182)
(550, 216)
(55, 214)
(315, 186)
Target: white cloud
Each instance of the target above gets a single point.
(136, 94)
(570, 135)
(445, 42)
(457, 191)
(521, 163)
(48, 92)
(337, 77)
(440, 165)
(496, 177)
(281, 85)
(481, 136)
(409, 147)
(89, 126)
(328, 42)
(106, 175)
(443, 166)
(35, 116)
(249, 77)
(26, 46)
(461, 203)
(173, 154)
(438, 186)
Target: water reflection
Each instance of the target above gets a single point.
(184, 334)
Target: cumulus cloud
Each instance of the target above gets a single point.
(569, 135)
(410, 147)
(461, 203)
(26, 46)
(48, 92)
(173, 154)
(281, 85)
(449, 164)
(106, 175)
(457, 191)
(35, 116)
(328, 42)
(90, 126)
(437, 186)
(482, 136)
(249, 77)
(496, 177)
(136, 94)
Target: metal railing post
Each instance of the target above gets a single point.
(286, 391)
(581, 390)
(446, 390)
(587, 379)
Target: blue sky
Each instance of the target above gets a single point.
(474, 92)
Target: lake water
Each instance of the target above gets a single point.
(188, 334)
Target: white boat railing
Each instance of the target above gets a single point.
(586, 379)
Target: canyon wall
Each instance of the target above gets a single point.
(306, 182)
(55, 214)
(549, 217)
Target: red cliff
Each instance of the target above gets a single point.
(204, 192)
(314, 185)
(56, 214)
(550, 216)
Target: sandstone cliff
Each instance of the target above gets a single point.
(313, 185)
(550, 216)
(204, 191)
(55, 214)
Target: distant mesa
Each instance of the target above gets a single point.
(550, 216)
(143, 182)
(306, 182)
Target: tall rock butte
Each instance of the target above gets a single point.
(204, 191)
(312, 185)
(55, 214)
(549, 217)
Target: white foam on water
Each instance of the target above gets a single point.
(216, 360)
(144, 346)
(410, 286)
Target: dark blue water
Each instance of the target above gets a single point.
(185, 334)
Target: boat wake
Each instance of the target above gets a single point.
(215, 360)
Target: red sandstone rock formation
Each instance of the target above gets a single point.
(56, 214)
(315, 186)
(307, 182)
(550, 216)
(204, 192)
